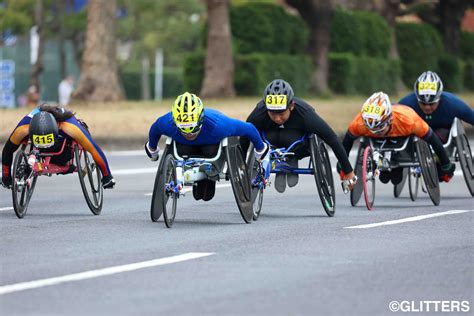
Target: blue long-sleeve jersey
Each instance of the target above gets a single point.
(216, 126)
(450, 106)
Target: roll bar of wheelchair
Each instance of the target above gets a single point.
(223, 143)
(452, 133)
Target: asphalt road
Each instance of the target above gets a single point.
(293, 261)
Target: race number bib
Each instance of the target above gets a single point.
(373, 110)
(429, 88)
(276, 102)
(43, 141)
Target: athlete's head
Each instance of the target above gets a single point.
(43, 130)
(377, 113)
(188, 114)
(278, 98)
(428, 89)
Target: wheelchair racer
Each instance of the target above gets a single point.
(198, 132)
(437, 107)
(64, 126)
(284, 119)
(379, 119)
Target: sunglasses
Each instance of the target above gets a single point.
(428, 104)
(196, 131)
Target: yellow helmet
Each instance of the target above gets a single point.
(188, 113)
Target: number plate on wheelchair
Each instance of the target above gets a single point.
(43, 141)
(276, 102)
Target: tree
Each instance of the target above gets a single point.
(317, 14)
(445, 15)
(219, 65)
(37, 67)
(452, 13)
(99, 77)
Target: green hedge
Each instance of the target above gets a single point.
(172, 83)
(467, 45)
(451, 72)
(419, 47)
(469, 74)
(267, 28)
(351, 74)
(360, 33)
(254, 71)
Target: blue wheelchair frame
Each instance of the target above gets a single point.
(279, 155)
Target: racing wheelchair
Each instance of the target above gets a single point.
(458, 149)
(175, 171)
(319, 166)
(30, 162)
(411, 153)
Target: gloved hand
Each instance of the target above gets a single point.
(263, 157)
(153, 154)
(7, 182)
(446, 172)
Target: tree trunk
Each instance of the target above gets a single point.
(62, 51)
(99, 74)
(37, 67)
(452, 13)
(389, 10)
(317, 14)
(219, 66)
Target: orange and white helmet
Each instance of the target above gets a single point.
(377, 112)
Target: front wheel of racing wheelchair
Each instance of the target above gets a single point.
(166, 180)
(24, 182)
(464, 154)
(319, 166)
(421, 162)
(323, 175)
(90, 178)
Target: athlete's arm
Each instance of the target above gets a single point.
(244, 129)
(316, 125)
(463, 111)
(19, 133)
(348, 142)
(76, 131)
(244, 141)
(435, 142)
(155, 133)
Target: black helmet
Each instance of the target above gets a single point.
(43, 130)
(428, 87)
(273, 95)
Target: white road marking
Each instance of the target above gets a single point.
(101, 272)
(189, 189)
(410, 219)
(133, 171)
(2, 209)
(126, 153)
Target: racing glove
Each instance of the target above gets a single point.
(263, 157)
(153, 154)
(446, 172)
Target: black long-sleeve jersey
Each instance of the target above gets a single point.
(303, 120)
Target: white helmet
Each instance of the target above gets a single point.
(428, 87)
(377, 112)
